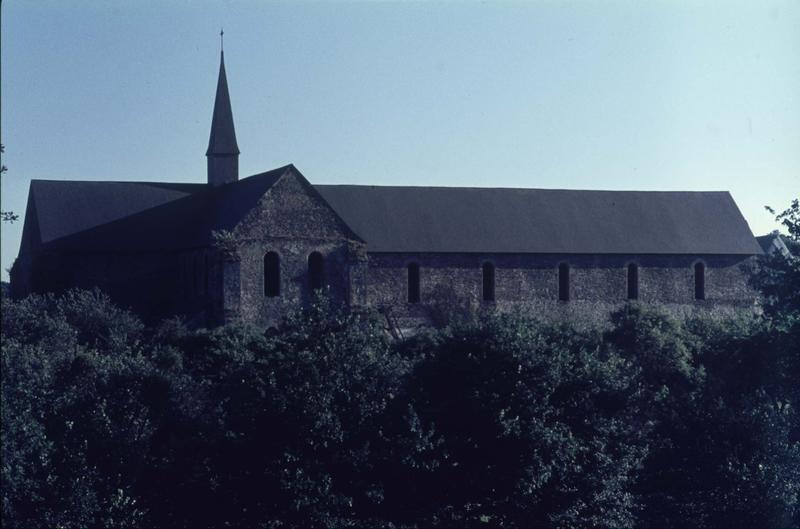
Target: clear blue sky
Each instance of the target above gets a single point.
(583, 95)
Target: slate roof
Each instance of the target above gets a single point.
(65, 208)
(148, 216)
(495, 220)
(773, 242)
(137, 216)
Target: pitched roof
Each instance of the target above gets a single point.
(134, 216)
(487, 220)
(65, 208)
(773, 242)
(223, 134)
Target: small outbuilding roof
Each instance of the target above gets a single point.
(772, 243)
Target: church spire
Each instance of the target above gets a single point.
(223, 152)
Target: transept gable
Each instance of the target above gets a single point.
(292, 208)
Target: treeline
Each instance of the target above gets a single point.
(506, 421)
(651, 421)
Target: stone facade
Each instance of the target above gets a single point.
(293, 222)
(529, 283)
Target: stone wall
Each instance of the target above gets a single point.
(529, 282)
(208, 288)
(295, 288)
(293, 221)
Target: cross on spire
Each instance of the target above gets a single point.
(221, 33)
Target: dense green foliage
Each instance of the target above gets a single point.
(327, 422)
(513, 423)
(501, 421)
(779, 279)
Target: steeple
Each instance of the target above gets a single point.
(223, 152)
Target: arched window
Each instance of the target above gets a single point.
(488, 282)
(699, 281)
(413, 283)
(633, 281)
(563, 282)
(272, 275)
(316, 270)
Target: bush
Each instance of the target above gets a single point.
(489, 421)
(510, 422)
(78, 404)
(282, 427)
(724, 451)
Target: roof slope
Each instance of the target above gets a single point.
(773, 242)
(64, 208)
(486, 220)
(134, 216)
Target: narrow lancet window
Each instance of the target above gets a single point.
(699, 281)
(413, 283)
(563, 282)
(272, 275)
(488, 282)
(633, 281)
(316, 270)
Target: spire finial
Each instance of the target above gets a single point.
(221, 33)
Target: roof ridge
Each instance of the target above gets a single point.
(153, 182)
(281, 168)
(156, 182)
(520, 188)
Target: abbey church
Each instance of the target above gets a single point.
(254, 248)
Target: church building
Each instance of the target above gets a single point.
(254, 248)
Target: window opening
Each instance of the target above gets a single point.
(413, 283)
